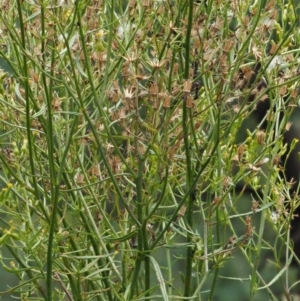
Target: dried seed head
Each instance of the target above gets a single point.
(236, 109)
(270, 5)
(216, 201)
(128, 93)
(147, 3)
(273, 14)
(131, 57)
(231, 239)
(112, 96)
(257, 53)
(34, 76)
(56, 104)
(115, 164)
(80, 179)
(276, 160)
(167, 101)
(294, 93)
(181, 212)
(275, 216)
(288, 126)
(254, 205)
(187, 86)
(126, 72)
(99, 217)
(261, 135)
(249, 228)
(282, 90)
(175, 90)
(100, 127)
(156, 64)
(141, 149)
(247, 73)
(122, 113)
(153, 89)
(149, 227)
(95, 171)
(227, 182)
(245, 21)
(189, 102)
(132, 4)
(273, 48)
(175, 69)
(223, 65)
(197, 43)
(116, 86)
(235, 158)
(228, 45)
(241, 149)
(109, 148)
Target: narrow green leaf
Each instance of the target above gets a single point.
(160, 278)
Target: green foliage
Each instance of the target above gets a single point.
(119, 162)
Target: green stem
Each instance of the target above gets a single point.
(142, 235)
(189, 172)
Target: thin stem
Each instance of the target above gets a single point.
(142, 232)
(189, 171)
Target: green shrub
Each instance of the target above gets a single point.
(121, 174)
